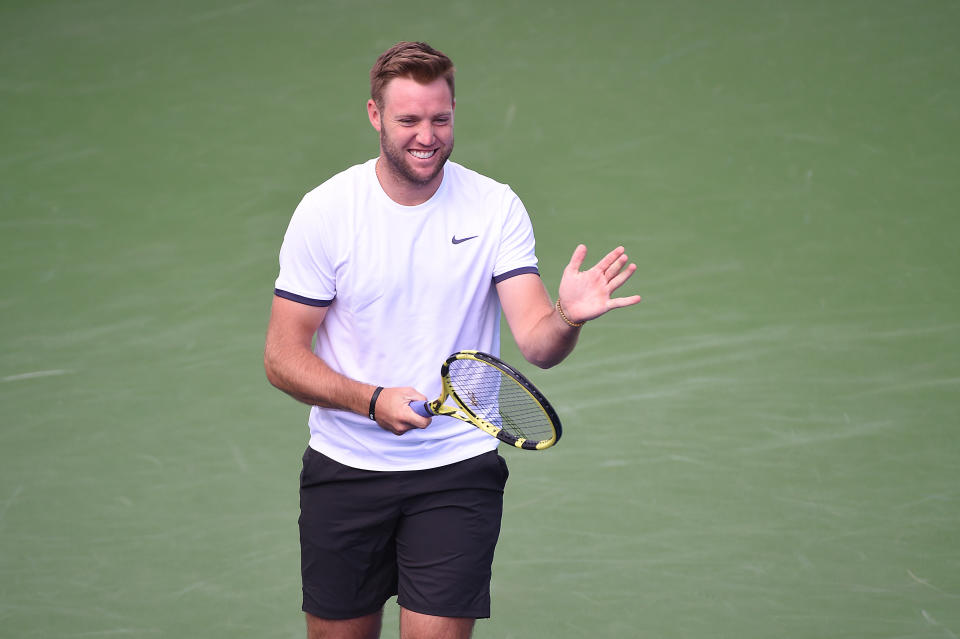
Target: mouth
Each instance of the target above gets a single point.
(422, 155)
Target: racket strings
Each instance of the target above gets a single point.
(500, 399)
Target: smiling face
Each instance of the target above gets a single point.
(416, 137)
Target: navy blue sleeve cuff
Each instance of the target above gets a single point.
(517, 271)
(293, 297)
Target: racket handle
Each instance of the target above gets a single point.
(420, 408)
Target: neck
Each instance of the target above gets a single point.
(400, 189)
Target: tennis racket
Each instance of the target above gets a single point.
(495, 398)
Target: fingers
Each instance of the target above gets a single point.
(612, 271)
(588, 293)
(611, 263)
(610, 266)
(620, 302)
(576, 260)
(611, 259)
(394, 413)
(621, 275)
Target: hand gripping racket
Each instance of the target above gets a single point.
(495, 398)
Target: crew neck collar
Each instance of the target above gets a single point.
(410, 207)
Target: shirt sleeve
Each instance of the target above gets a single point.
(517, 251)
(307, 274)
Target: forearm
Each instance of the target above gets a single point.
(293, 367)
(308, 379)
(584, 295)
(549, 340)
(541, 334)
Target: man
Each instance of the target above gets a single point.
(392, 265)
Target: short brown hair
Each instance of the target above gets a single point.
(417, 60)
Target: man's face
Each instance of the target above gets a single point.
(416, 129)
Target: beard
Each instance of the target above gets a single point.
(398, 163)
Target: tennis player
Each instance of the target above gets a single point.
(390, 266)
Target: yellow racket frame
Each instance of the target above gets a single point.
(463, 412)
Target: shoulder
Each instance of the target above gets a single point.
(336, 197)
(462, 174)
(476, 186)
(349, 180)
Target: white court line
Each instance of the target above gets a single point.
(33, 375)
(4, 507)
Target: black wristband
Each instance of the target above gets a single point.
(373, 404)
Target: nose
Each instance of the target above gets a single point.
(425, 134)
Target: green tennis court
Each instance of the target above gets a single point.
(766, 447)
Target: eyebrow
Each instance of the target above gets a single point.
(400, 116)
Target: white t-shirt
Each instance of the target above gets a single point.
(406, 286)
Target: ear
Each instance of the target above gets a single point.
(373, 112)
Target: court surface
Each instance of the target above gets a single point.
(766, 447)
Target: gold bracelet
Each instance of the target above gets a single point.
(566, 319)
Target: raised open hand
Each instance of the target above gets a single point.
(586, 295)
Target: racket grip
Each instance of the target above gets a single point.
(420, 408)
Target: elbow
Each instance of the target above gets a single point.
(542, 359)
(545, 363)
(545, 344)
(546, 354)
(270, 369)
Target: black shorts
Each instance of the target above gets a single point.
(427, 536)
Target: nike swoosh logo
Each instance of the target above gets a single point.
(460, 240)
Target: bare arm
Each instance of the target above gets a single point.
(292, 366)
(543, 336)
